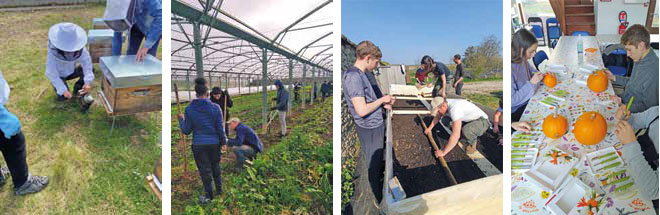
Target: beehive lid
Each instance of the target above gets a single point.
(100, 35)
(98, 23)
(119, 14)
(123, 71)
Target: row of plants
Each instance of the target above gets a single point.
(293, 176)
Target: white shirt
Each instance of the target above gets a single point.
(464, 110)
(57, 69)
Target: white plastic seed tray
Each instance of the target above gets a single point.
(550, 171)
(567, 200)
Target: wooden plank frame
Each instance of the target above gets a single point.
(649, 18)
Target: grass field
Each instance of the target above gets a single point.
(91, 170)
(490, 100)
(292, 177)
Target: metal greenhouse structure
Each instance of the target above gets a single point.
(245, 45)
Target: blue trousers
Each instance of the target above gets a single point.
(135, 38)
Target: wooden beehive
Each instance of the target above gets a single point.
(100, 43)
(155, 180)
(98, 23)
(130, 87)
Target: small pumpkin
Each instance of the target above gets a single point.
(598, 81)
(550, 80)
(590, 128)
(555, 126)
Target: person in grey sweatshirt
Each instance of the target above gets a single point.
(643, 81)
(640, 155)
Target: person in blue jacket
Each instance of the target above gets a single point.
(203, 119)
(147, 26)
(12, 146)
(247, 144)
(325, 90)
(282, 106)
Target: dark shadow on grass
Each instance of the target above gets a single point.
(497, 94)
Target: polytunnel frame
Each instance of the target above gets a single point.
(319, 64)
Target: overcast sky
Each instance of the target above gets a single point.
(270, 17)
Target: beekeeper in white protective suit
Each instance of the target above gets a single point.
(69, 59)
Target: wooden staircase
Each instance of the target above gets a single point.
(575, 15)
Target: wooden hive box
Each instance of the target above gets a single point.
(155, 180)
(100, 43)
(98, 23)
(130, 87)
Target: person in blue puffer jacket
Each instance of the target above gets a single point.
(203, 119)
(247, 144)
(282, 106)
(12, 146)
(147, 26)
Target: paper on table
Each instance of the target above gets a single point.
(600, 161)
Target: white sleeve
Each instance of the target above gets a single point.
(87, 66)
(646, 180)
(4, 90)
(54, 76)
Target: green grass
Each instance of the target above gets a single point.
(489, 100)
(483, 79)
(293, 176)
(91, 170)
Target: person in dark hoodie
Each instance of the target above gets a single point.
(247, 144)
(282, 104)
(219, 96)
(296, 91)
(203, 119)
(325, 90)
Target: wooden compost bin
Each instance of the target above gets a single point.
(130, 87)
(426, 183)
(409, 157)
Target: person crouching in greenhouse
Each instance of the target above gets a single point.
(247, 144)
(12, 146)
(66, 48)
(203, 119)
(282, 104)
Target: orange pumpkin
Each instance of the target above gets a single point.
(555, 126)
(597, 81)
(590, 128)
(550, 80)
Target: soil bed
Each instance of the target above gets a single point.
(415, 166)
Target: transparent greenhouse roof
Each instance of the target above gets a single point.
(300, 29)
